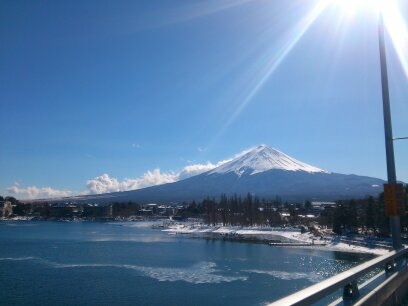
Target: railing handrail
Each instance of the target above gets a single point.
(318, 291)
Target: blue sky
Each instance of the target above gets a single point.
(122, 93)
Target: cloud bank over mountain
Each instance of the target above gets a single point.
(105, 183)
(33, 192)
(262, 170)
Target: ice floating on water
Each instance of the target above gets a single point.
(289, 275)
(17, 258)
(201, 273)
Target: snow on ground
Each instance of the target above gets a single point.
(341, 246)
(269, 233)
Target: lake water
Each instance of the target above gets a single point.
(91, 263)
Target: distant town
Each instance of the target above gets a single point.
(366, 216)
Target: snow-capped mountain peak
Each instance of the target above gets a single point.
(261, 159)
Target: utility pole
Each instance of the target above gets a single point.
(389, 145)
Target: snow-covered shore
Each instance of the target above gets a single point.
(271, 234)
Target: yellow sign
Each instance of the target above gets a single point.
(394, 196)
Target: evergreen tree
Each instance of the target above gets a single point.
(382, 221)
(370, 215)
(308, 205)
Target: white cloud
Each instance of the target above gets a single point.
(105, 183)
(33, 192)
(150, 178)
(195, 169)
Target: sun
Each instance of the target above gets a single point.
(391, 15)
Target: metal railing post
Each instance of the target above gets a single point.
(350, 291)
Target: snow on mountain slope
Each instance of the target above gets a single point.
(261, 159)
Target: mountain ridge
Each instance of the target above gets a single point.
(262, 171)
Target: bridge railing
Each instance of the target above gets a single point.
(391, 263)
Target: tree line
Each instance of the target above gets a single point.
(363, 215)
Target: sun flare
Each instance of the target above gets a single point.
(389, 10)
(398, 31)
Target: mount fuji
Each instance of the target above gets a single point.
(261, 159)
(262, 171)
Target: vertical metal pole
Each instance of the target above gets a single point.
(389, 145)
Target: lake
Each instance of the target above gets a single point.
(129, 263)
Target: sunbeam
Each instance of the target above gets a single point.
(398, 31)
(272, 63)
(194, 11)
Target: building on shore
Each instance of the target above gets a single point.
(6, 209)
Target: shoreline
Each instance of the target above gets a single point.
(275, 237)
(289, 237)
